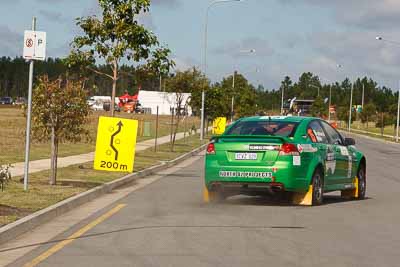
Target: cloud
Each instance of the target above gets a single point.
(367, 14)
(359, 54)
(183, 64)
(7, 2)
(166, 3)
(60, 51)
(54, 16)
(147, 20)
(235, 49)
(144, 18)
(11, 42)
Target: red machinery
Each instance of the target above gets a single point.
(129, 103)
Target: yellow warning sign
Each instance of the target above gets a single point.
(115, 145)
(219, 125)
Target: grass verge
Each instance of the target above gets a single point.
(12, 134)
(72, 180)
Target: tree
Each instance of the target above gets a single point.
(307, 86)
(179, 85)
(343, 115)
(244, 96)
(367, 113)
(115, 36)
(384, 119)
(59, 113)
(218, 102)
(285, 89)
(160, 63)
(197, 82)
(393, 113)
(319, 108)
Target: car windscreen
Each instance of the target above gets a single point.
(264, 127)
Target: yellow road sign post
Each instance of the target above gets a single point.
(115, 145)
(219, 125)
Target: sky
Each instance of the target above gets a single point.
(289, 36)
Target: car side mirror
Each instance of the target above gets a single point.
(349, 142)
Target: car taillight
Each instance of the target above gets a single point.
(211, 149)
(289, 149)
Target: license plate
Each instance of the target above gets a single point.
(246, 156)
(240, 174)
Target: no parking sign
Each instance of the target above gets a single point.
(35, 45)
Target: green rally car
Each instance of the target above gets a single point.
(304, 156)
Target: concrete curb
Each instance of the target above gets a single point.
(23, 225)
(369, 137)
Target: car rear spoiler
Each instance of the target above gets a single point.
(217, 138)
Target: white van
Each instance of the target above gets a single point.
(96, 102)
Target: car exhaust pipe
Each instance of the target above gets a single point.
(276, 188)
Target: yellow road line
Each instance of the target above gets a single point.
(74, 236)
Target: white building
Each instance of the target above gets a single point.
(165, 101)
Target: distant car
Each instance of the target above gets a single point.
(20, 101)
(301, 157)
(107, 106)
(6, 100)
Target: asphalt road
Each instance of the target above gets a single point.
(166, 224)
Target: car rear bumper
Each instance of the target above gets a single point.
(246, 188)
(281, 176)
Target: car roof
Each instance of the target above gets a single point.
(297, 119)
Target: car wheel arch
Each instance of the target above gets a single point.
(320, 167)
(317, 165)
(363, 162)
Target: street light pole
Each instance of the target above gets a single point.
(398, 115)
(363, 95)
(203, 95)
(317, 87)
(233, 82)
(379, 38)
(283, 91)
(330, 102)
(351, 106)
(233, 94)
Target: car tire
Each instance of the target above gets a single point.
(317, 188)
(362, 182)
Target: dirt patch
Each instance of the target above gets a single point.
(78, 183)
(11, 211)
(9, 214)
(69, 183)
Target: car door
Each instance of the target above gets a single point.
(342, 155)
(318, 136)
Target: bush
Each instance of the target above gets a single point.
(5, 175)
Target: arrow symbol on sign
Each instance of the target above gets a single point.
(113, 136)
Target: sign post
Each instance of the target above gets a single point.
(34, 49)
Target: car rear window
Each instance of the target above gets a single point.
(276, 128)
